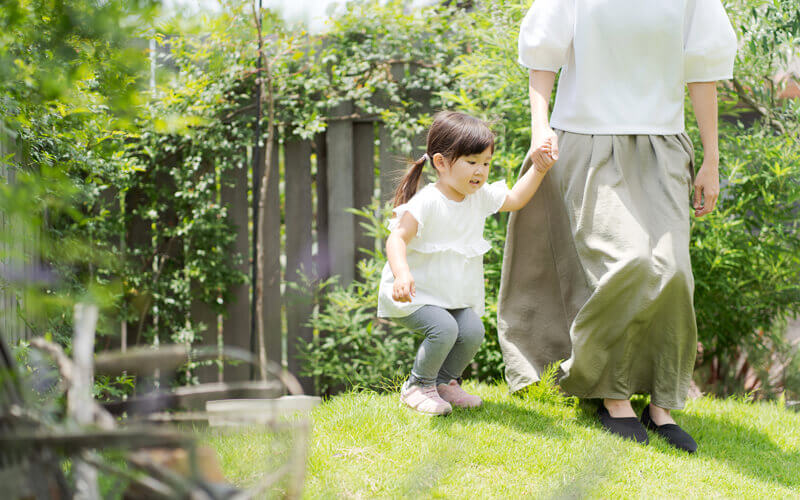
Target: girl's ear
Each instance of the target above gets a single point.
(439, 161)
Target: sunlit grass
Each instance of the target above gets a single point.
(538, 444)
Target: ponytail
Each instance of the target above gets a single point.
(410, 183)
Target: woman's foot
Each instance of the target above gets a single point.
(456, 396)
(659, 416)
(669, 430)
(619, 408)
(625, 424)
(424, 399)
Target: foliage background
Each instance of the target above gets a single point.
(104, 158)
(745, 255)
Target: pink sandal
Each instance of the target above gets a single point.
(456, 396)
(424, 399)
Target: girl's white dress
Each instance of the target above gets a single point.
(446, 255)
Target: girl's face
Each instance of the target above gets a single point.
(463, 176)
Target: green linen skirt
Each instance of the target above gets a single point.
(596, 271)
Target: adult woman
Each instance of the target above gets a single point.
(597, 267)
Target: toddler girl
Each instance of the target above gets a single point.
(433, 281)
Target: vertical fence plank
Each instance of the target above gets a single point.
(138, 248)
(389, 160)
(341, 229)
(322, 259)
(391, 165)
(202, 313)
(363, 181)
(298, 252)
(14, 261)
(109, 203)
(423, 96)
(17, 251)
(271, 225)
(5, 295)
(236, 323)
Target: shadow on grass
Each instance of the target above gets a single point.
(743, 448)
(575, 479)
(510, 415)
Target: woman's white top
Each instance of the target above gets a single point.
(446, 255)
(624, 63)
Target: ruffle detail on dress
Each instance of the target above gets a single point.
(400, 210)
(468, 250)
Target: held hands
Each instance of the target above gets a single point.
(404, 288)
(544, 149)
(706, 188)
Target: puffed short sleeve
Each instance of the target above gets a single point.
(709, 42)
(545, 36)
(492, 196)
(416, 206)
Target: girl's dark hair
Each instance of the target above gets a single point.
(452, 135)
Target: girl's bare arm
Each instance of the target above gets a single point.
(404, 288)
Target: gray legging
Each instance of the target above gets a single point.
(452, 337)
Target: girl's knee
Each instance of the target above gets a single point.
(445, 332)
(473, 332)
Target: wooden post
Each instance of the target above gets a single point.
(363, 181)
(273, 334)
(341, 230)
(204, 313)
(7, 310)
(79, 397)
(236, 321)
(423, 96)
(390, 161)
(298, 253)
(138, 246)
(391, 164)
(14, 251)
(322, 259)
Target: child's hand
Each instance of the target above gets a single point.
(545, 155)
(404, 288)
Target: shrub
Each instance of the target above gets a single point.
(353, 348)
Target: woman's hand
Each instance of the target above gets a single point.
(706, 188)
(544, 148)
(404, 289)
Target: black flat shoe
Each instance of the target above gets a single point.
(674, 435)
(626, 427)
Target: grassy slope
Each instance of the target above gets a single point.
(365, 445)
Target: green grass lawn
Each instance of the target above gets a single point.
(365, 445)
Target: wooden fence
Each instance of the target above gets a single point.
(347, 166)
(352, 163)
(13, 251)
